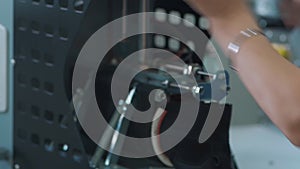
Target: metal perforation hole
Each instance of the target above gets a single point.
(263, 23)
(63, 4)
(63, 149)
(21, 108)
(35, 112)
(35, 83)
(283, 38)
(63, 34)
(49, 3)
(77, 155)
(48, 59)
(49, 88)
(49, 145)
(22, 134)
(49, 31)
(20, 53)
(160, 41)
(35, 27)
(161, 15)
(36, 2)
(203, 23)
(35, 139)
(78, 5)
(22, 24)
(174, 44)
(21, 79)
(35, 56)
(63, 121)
(49, 116)
(175, 17)
(189, 20)
(269, 34)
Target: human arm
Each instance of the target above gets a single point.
(272, 81)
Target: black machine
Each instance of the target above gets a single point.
(49, 35)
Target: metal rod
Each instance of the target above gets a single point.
(199, 72)
(180, 86)
(115, 138)
(105, 139)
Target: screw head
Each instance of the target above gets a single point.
(160, 96)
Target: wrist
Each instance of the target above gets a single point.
(225, 29)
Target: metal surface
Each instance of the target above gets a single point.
(6, 118)
(45, 128)
(3, 68)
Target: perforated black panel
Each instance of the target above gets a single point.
(179, 9)
(48, 37)
(44, 125)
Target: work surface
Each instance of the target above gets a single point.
(263, 147)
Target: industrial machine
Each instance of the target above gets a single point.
(48, 37)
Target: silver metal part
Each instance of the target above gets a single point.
(206, 74)
(180, 86)
(105, 140)
(160, 96)
(187, 70)
(3, 68)
(6, 119)
(184, 70)
(115, 137)
(196, 90)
